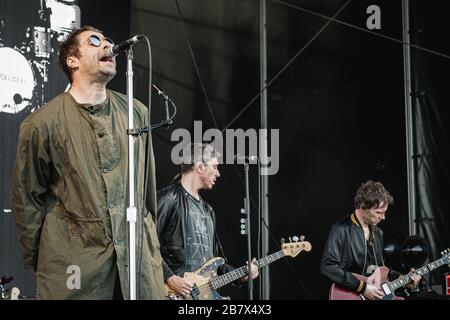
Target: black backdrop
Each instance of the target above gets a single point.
(339, 107)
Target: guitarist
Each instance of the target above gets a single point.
(355, 243)
(186, 223)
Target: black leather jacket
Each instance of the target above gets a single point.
(172, 212)
(346, 252)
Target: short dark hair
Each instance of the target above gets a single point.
(197, 152)
(69, 47)
(371, 194)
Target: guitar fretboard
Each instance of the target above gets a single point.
(231, 276)
(404, 280)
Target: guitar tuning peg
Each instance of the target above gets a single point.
(295, 238)
(302, 237)
(282, 240)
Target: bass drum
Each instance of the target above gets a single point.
(17, 81)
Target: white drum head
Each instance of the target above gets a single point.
(16, 81)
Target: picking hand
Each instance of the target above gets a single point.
(373, 293)
(180, 285)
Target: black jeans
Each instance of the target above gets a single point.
(117, 295)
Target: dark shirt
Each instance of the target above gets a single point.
(372, 261)
(199, 234)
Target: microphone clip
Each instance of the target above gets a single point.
(168, 121)
(160, 92)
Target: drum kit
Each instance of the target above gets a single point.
(24, 67)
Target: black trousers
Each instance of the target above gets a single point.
(117, 295)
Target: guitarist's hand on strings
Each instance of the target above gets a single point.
(415, 279)
(373, 293)
(255, 271)
(180, 285)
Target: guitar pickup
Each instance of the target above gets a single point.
(386, 289)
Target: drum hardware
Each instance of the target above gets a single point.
(4, 280)
(25, 67)
(42, 38)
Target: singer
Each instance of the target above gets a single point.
(70, 179)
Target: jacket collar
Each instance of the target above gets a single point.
(355, 220)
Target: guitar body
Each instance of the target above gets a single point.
(378, 277)
(201, 278)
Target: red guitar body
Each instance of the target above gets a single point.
(378, 277)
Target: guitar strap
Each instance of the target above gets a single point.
(374, 239)
(219, 244)
(216, 237)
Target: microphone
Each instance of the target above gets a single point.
(241, 158)
(166, 104)
(122, 46)
(160, 92)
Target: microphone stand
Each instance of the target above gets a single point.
(131, 209)
(132, 133)
(246, 231)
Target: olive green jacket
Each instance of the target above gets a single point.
(69, 200)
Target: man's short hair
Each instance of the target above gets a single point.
(69, 47)
(197, 152)
(371, 194)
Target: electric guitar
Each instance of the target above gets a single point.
(206, 281)
(380, 280)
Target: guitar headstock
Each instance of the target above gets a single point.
(294, 247)
(446, 256)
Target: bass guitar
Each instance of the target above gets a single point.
(206, 281)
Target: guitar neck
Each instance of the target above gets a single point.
(404, 280)
(220, 281)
